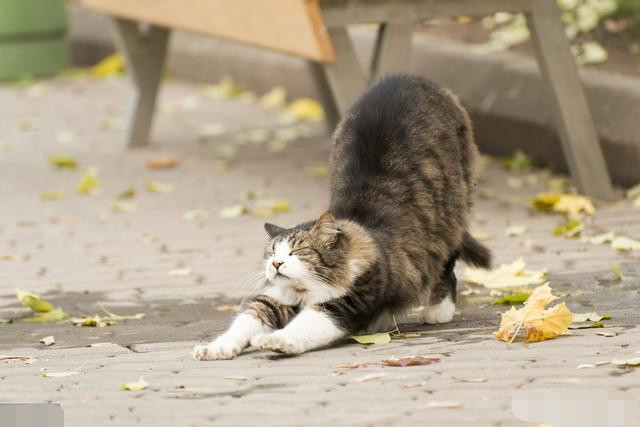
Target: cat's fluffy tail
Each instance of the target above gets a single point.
(474, 253)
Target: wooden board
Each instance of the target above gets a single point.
(291, 26)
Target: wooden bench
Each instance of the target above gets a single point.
(317, 30)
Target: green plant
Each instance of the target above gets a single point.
(628, 9)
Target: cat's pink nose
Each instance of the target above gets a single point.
(277, 264)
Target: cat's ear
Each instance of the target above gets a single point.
(327, 228)
(273, 230)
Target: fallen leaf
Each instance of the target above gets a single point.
(517, 298)
(227, 308)
(50, 316)
(63, 162)
(305, 109)
(379, 338)
(410, 361)
(600, 238)
(33, 301)
(505, 276)
(538, 323)
(226, 88)
(588, 317)
(607, 334)
(483, 235)
(518, 161)
(626, 362)
(159, 187)
(129, 193)
(124, 207)
(163, 162)
(573, 204)
(433, 404)
(92, 321)
(616, 270)
(256, 136)
(141, 384)
(367, 377)
(266, 208)
(89, 183)
(195, 214)
(179, 272)
(586, 325)
(114, 316)
(275, 98)
(585, 366)
(53, 195)
(48, 340)
(58, 374)
(590, 52)
(233, 211)
(515, 230)
(625, 244)
(572, 228)
(109, 66)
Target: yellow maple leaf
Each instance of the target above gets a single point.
(539, 323)
(109, 66)
(306, 109)
(573, 204)
(568, 204)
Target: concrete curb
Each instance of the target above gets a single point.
(503, 91)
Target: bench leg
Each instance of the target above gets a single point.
(577, 132)
(144, 53)
(332, 116)
(345, 77)
(392, 49)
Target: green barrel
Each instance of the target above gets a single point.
(32, 38)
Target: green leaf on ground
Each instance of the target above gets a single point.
(33, 301)
(50, 316)
(89, 183)
(379, 338)
(517, 298)
(141, 384)
(63, 162)
(586, 325)
(518, 161)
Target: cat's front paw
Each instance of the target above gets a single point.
(219, 349)
(276, 342)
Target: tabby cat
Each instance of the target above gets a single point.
(402, 177)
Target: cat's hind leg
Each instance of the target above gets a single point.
(263, 314)
(441, 303)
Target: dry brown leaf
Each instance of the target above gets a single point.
(538, 323)
(48, 340)
(410, 361)
(163, 162)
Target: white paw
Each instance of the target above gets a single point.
(276, 342)
(440, 313)
(219, 349)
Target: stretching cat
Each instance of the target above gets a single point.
(402, 175)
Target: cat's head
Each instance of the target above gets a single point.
(306, 263)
